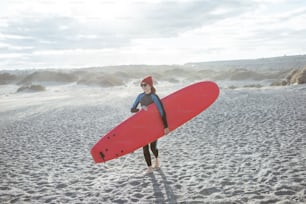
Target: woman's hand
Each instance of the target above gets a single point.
(134, 110)
(166, 131)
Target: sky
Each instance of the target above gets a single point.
(79, 33)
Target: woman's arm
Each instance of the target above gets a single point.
(134, 108)
(161, 110)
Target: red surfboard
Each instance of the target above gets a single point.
(146, 126)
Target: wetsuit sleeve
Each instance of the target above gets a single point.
(134, 108)
(161, 109)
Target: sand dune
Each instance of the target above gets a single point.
(31, 88)
(100, 79)
(49, 76)
(276, 71)
(249, 147)
(120, 78)
(7, 78)
(297, 77)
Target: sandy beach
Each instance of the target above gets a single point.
(249, 147)
(73, 70)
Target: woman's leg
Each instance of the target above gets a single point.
(154, 149)
(147, 155)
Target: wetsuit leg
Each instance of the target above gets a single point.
(154, 149)
(147, 155)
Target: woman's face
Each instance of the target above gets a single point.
(146, 88)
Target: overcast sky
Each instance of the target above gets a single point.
(79, 33)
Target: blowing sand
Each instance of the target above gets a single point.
(249, 147)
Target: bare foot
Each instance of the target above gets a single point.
(156, 166)
(148, 171)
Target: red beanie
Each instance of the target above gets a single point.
(148, 80)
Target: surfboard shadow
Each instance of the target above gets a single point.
(170, 197)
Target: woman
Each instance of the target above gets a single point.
(146, 98)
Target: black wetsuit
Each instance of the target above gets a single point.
(145, 100)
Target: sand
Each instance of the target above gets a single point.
(249, 147)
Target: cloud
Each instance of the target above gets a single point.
(170, 18)
(145, 20)
(59, 33)
(70, 31)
